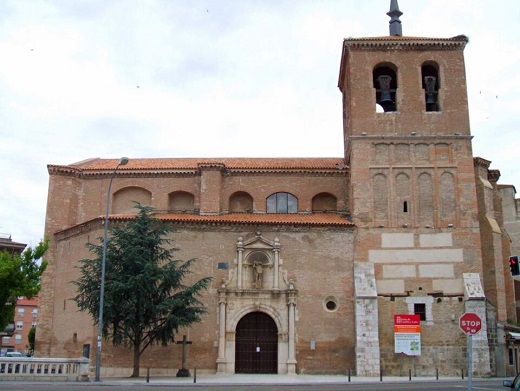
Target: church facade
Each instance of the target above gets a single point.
(312, 258)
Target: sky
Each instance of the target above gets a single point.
(215, 78)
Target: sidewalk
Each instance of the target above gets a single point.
(246, 379)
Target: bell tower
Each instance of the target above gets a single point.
(406, 130)
(412, 194)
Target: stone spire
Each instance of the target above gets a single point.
(395, 23)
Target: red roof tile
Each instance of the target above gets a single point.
(28, 302)
(294, 219)
(315, 219)
(194, 163)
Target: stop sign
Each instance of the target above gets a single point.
(470, 323)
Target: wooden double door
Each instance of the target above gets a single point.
(256, 344)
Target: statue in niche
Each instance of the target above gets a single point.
(257, 274)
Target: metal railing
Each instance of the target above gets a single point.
(44, 369)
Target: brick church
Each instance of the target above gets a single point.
(311, 258)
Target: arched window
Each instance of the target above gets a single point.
(181, 201)
(240, 202)
(448, 199)
(124, 200)
(324, 202)
(380, 185)
(385, 82)
(425, 198)
(282, 203)
(431, 85)
(402, 190)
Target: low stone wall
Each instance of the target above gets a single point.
(44, 369)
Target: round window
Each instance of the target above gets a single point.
(330, 304)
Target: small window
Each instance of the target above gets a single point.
(330, 304)
(21, 311)
(18, 338)
(511, 360)
(19, 324)
(282, 203)
(420, 309)
(35, 313)
(405, 207)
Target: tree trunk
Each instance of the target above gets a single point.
(135, 373)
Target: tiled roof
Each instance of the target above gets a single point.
(458, 42)
(397, 38)
(315, 219)
(27, 302)
(288, 219)
(97, 164)
(481, 161)
(269, 219)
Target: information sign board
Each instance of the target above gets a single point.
(407, 334)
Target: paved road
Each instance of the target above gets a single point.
(478, 385)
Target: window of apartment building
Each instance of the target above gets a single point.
(21, 311)
(282, 203)
(18, 338)
(5, 340)
(34, 323)
(35, 313)
(19, 324)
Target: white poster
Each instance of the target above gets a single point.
(408, 343)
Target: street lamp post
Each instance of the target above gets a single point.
(122, 162)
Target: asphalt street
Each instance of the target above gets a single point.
(136, 385)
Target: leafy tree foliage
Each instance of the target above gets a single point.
(31, 337)
(145, 300)
(20, 275)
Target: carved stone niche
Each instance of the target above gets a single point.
(258, 265)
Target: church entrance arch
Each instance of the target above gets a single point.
(256, 344)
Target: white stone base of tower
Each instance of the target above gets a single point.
(476, 302)
(367, 321)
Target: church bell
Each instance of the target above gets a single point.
(384, 85)
(429, 83)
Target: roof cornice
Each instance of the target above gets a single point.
(406, 43)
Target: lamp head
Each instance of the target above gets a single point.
(123, 161)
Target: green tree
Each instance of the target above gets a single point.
(20, 275)
(145, 300)
(31, 337)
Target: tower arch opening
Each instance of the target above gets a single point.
(384, 77)
(431, 85)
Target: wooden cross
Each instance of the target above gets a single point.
(184, 372)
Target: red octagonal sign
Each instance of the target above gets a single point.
(470, 323)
